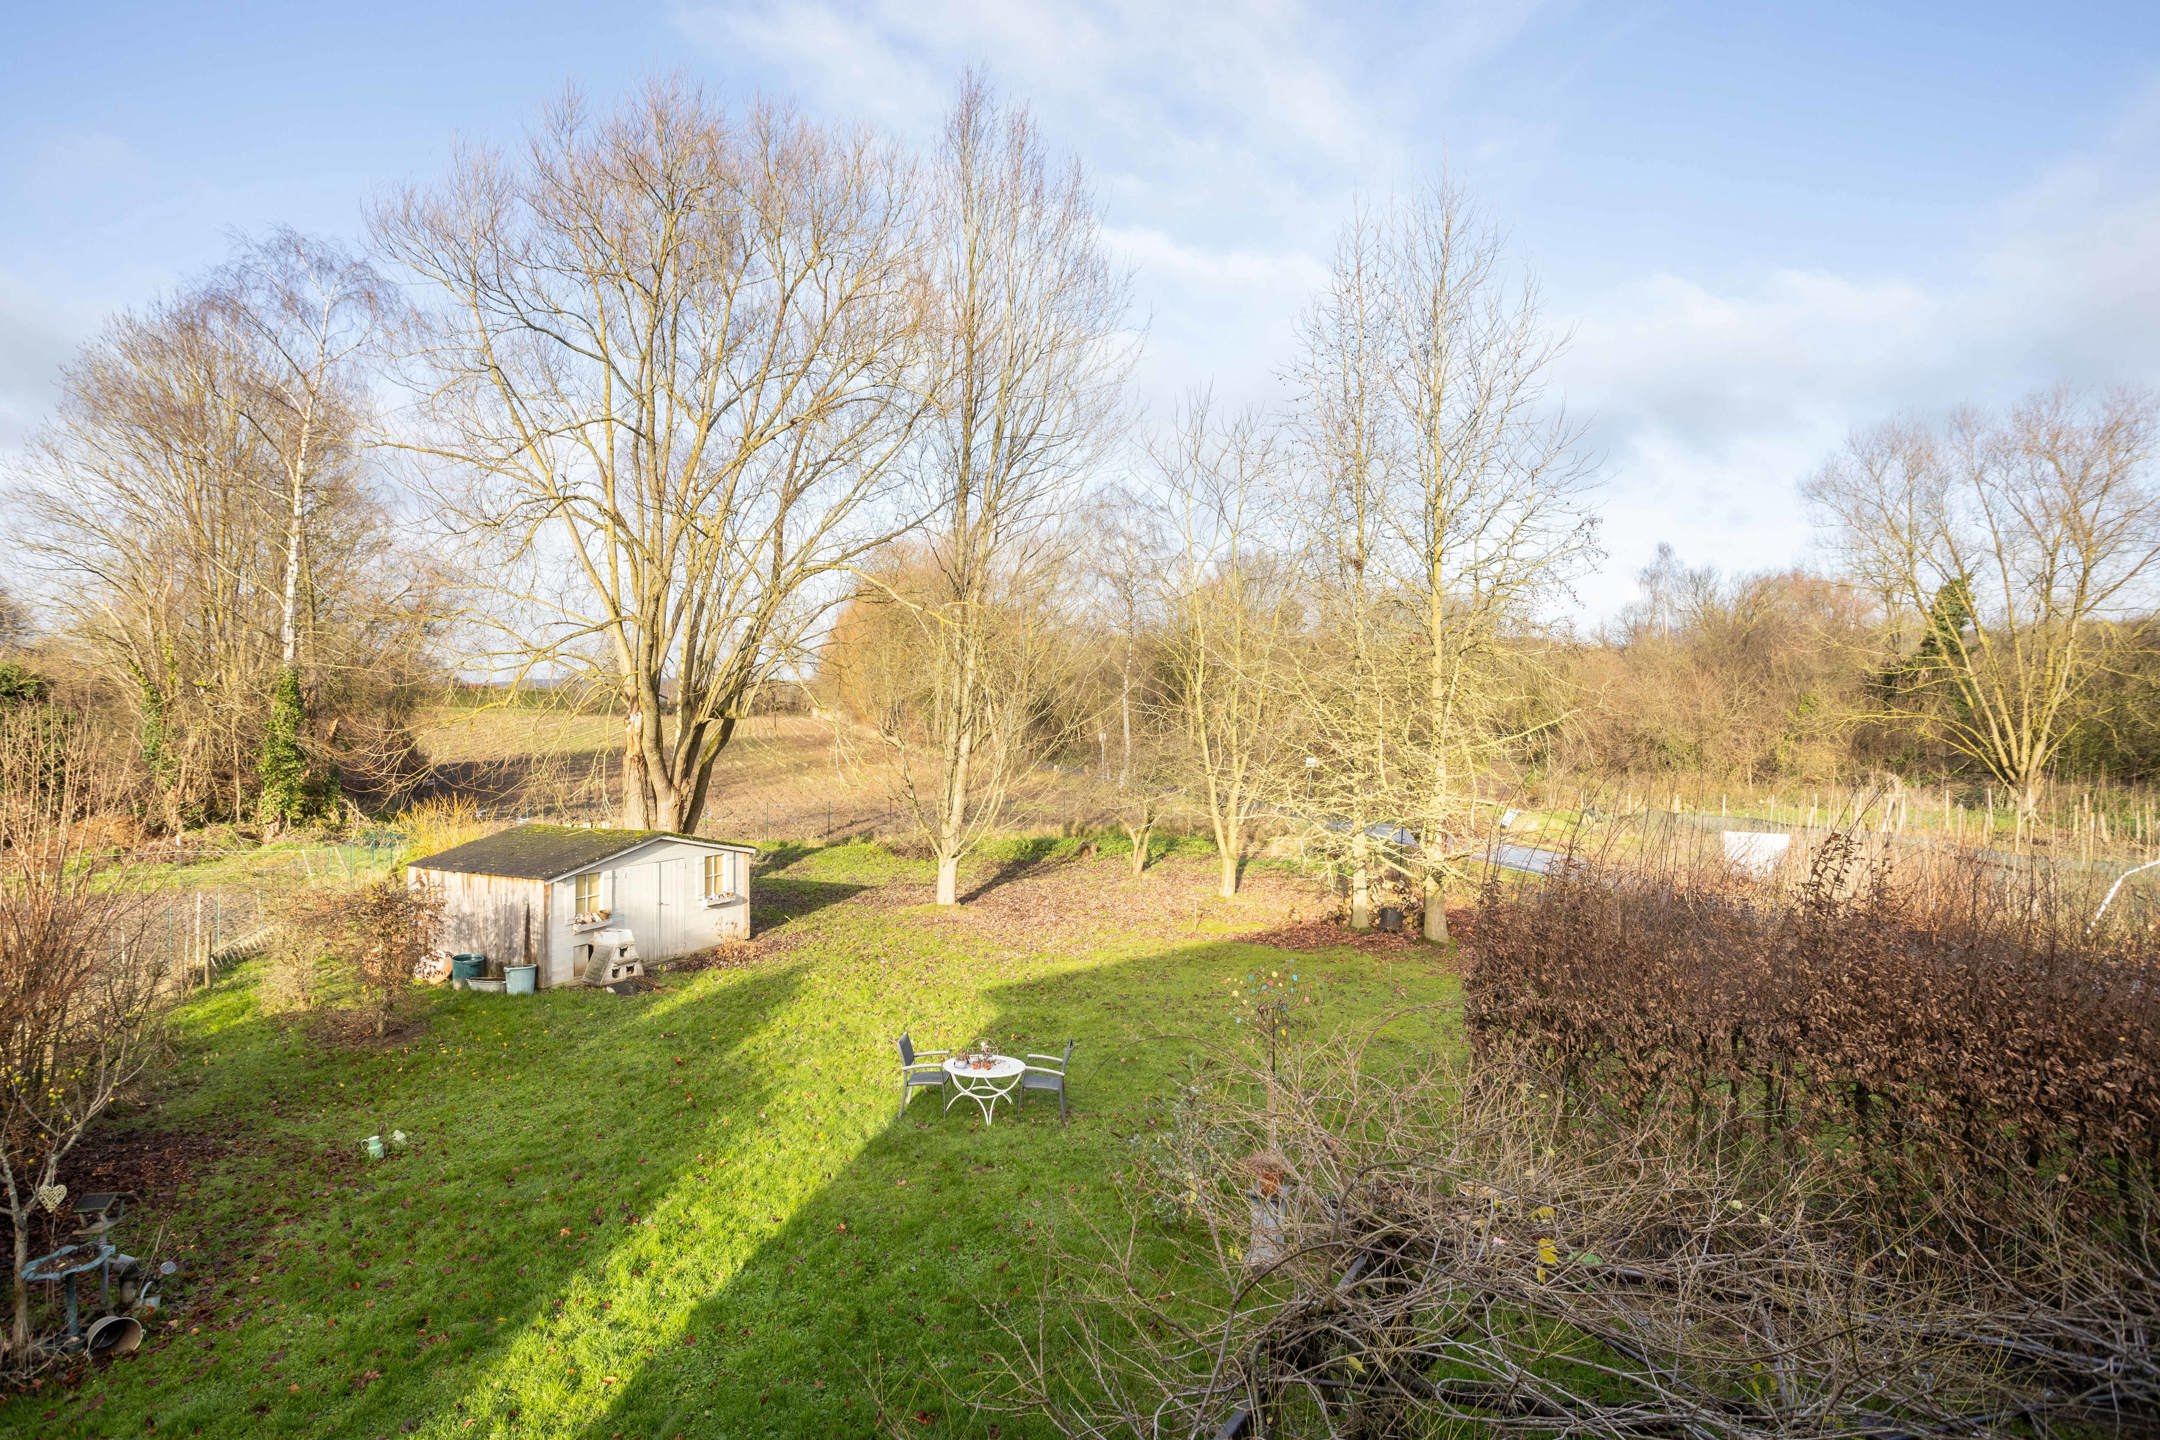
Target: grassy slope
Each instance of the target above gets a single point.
(685, 1213)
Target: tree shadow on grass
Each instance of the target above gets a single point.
(393, 1297)
(783, 899)
(778, 856)
(1038, 856)
(756, 1244)
(882, 1288)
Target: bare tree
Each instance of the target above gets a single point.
(1481, 517)
(1009, 694)
(14, 622)
(2005, 545)
(307, 313)
(1443, 510)
(1128, 556)
(79, 974)
(1030, 370)
(148, 499)
(674, 353)
(1229, 612)
(1344, 673)
(160, 507)
(1670, 593)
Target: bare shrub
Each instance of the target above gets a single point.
(360, 947)
(1024, 316)
(79, 976)
(1368, 1252)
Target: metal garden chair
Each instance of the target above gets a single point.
(919, 1072)
(1048, 1077)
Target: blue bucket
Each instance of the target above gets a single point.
(520, 979)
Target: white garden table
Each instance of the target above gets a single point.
(984, 1085)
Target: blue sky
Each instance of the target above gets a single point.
(1764, 224)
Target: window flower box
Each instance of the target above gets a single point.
(589, 919)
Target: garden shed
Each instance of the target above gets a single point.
(544, 895)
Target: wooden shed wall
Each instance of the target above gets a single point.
(491, 915)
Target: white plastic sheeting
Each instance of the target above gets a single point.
(1755, 852)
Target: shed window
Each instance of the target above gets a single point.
(716, 875)
(587, 893)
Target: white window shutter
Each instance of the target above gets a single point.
(607, 891)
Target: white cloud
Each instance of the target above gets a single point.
(1137, 72)
(1222, 139)
(1711, 403)
(1227, 141)
(1671, 354)
(1222, 319)
(1250, 272)
(850, 64)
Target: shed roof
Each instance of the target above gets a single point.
(545, 852)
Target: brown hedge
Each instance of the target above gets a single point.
(1967, 1030)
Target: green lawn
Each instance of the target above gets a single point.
(692, 1212)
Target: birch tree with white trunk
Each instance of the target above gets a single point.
(307, 314)
(162, 513)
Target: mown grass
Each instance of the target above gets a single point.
(693, 1212)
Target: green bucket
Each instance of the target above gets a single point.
(467, 967)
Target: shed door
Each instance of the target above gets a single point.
(636, 904)
(674, 916)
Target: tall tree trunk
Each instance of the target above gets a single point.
(1125, 720)
(295, 533)
(651, 798)
(1360, 883)
(19, 1326)
(282, 781)
(1435, 897)
(693, 810)
(636, 787)
(953, 824)
(1440, 695)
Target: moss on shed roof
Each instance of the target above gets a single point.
(542, 852)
